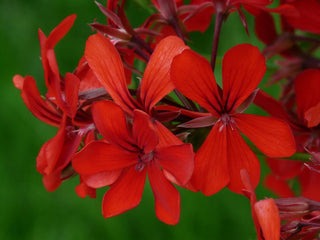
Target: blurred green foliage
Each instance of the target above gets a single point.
(27, 210)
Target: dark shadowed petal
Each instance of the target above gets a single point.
(104, 59)
(211, 172)
(265, 28)
(177, 160)
(307, 90)
(193, 77)
(125, 194)
(100, 156)
(240, 156)
(243, 68)
(111, 122)
(271, 135)
(278, 186)
(307, 18)
(144, 132)
(283, 168)
(309, 181)
(166, 196)
(156, 82)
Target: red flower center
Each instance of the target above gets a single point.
(144, 160)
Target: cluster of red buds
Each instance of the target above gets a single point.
(114, 134)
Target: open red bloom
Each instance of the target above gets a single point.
(106, 63)
(224, 153)
(134, 152)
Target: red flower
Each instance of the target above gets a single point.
(58, 108)
(135, 152)
(224, 153)
(106, 63)
(305, 125)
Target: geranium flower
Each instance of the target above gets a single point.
(304, 121)
(134, 151)
(106, 63)
(224, 153)
(59, 107)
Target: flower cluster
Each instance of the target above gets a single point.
(114, 134)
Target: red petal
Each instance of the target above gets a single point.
(83, 190)
(125, 194)
(111, 122)
(201, 18)
(167, 197)
(105, 61)
(312, 116)
(272, 136)
(166, 137)
(278, 186)
(307, 90)
(54, 80)
(100, 156)
(60, 31)
(156, 82)
(71, 144)
(243, 68)
(177, 160)
(265, 28)
(269, 219)
(309, 181)
(52, 181)
(240, 157)
(144, 131)
(44, 60)
(271, 105)
(193, 77)
(71, 90)
(50, 151)
(101, 179)
(18, 81)
(308, 17)
(86, 75)
(211, 172)
(36, 104)
(283, 168)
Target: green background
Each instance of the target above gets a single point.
(27, 210)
